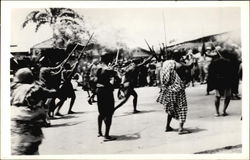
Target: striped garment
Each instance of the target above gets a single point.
(172, 94)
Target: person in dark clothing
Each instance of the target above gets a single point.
(67, 90)
(51, 79)
(129, 82)
(152, 75)
(105, 99)
(92, 81)
(213, 55)
(143, 76)
(86, 79)
(236, 61)
(221, 80)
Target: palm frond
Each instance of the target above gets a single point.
(55, 11)
(47, 11)
(69, 21)
(39, 25)
(31, 17)
(42, 17)
(67, 12)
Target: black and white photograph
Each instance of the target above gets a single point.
(125, 80)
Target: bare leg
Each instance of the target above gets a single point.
(59, 105)
(93, 97)
(52, 107)
(108, 121)
(169, 119)
(182, 130)
(134, 94)
(181, 124)
(226, 103)
(72, 101)
(217, 105)
(88, 93)
(100, 119)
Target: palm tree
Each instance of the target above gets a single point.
(54, 17)
(51, 16)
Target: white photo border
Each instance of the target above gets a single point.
(6, 7)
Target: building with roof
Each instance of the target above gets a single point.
(139, 53)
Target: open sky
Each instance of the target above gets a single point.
(133, 25)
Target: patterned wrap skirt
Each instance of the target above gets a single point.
(175, 103)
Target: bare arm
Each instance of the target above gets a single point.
(56, 71)
(72, 71)
(121, 103)
(145, 61)
(211, 55)
(189, 64)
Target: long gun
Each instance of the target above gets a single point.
(215, 49)
(117, 55)
(83, 50)
(152, 51)
(66, 60)
(78, 59)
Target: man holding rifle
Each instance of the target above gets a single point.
(67, 90)
(129, 80)
(50, 77)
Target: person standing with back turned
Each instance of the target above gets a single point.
(222, 78)
(105, 98)
(172, 95)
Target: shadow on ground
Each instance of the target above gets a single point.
(196, 130)
(64, 117)
(128, 137)
(131, 113)
(65, 124)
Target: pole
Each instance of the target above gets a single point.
(65, 61)
(85, 46)
(164, 27)
(117, 55)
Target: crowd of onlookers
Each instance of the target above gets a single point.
(198, 72)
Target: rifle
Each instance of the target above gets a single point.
(66, 60)
(152, 51)
(83, 50)
(216, 49)
(78, 59)
(117, 56)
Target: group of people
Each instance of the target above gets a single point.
(223, 75)
(33, 103)
(33, 100)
